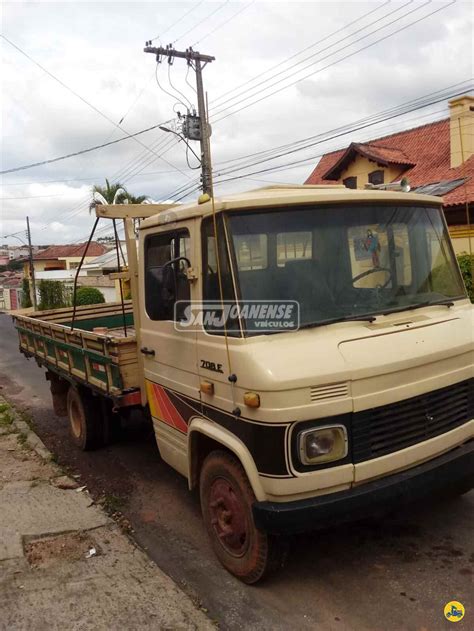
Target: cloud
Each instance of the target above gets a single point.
(96, 49)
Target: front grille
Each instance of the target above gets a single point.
(386, 429)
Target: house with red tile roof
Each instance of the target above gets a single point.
(437, 159)
(63, 257)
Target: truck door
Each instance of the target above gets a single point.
(169, 354)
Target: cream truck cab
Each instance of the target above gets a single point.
(307, 357)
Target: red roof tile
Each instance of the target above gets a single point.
(382, 155)
(426, 147)
(63, 251)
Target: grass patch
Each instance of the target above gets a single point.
(6, 417)
(4, 407)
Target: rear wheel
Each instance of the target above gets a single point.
(226, 503)
(85, 419)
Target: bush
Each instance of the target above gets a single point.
(25, 294)
(89, 296)
(52, 295)
(466, 263)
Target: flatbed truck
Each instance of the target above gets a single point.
(366, 401)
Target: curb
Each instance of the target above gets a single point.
(33, 441)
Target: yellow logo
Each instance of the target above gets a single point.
(454, 611)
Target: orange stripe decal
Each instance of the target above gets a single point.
(162, 408)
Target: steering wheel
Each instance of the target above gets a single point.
(373, 271)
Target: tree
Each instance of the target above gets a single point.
(114, 194)
(52, 295)
(111, 193)
(443, 275)
(136, 199)
(25, 294)
(466, 263)
(14, 265)
(89, 296)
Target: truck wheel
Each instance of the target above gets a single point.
(226, 504)
(85, 420)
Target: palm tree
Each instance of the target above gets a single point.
(108, 194)
(136, 199)
(114, 194)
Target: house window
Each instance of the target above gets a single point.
(376, 177)
(350, 182)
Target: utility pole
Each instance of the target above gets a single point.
(32, 269)
(198, 62)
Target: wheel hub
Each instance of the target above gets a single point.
(228, 517)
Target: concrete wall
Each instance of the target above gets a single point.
(42, 265)
(361, 167)
(460, 236)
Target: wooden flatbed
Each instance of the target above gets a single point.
(105, 359)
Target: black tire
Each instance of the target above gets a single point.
(85, 419)
(226, 503)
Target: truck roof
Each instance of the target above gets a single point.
(280, 195)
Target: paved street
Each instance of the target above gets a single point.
(392, 574)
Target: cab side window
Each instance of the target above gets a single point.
(167, 290)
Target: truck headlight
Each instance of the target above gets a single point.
(323, 444)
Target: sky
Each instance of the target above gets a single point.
(283, 71)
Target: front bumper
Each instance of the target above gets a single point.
(451, 473)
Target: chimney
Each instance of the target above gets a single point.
(461, 126)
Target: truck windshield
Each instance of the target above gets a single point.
(344, 262)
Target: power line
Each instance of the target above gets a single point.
(460, 86)
(334, 62)
(189, 104)
(281, 167)
(369, 121)
(204, 19)
(84, 203)
(138, 97)
(325, 139)
(349, 129)
(180, 19)
(77, 179)
(290, 70)
(78, 153)
(33, 196)
(135, 101)
(143, 160)
(107, 118)
(219, 26)
(277, 65)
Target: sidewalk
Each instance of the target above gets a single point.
(63, 562)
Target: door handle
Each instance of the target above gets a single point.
(147, 351)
